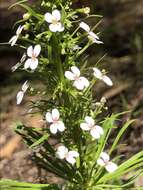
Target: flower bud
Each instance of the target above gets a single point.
(26, 26)
(98, 104)
(86, 10)
(26, 16)
(103, 100)
(26, 36)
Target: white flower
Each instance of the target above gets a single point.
(54, 19)
(95, 130)
(14, 39)
(79, 82)
(70, 156)
(56, 124)
(33, 53)
(91, 35)
(104, 160)
(98, 74)
(21, 93)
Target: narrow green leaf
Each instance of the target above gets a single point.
(7, 184)
(17, 3)
(121, 132)
(41, 140)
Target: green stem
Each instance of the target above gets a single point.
(91, 85)
(83, 50)
(57, 58)
(75, 31)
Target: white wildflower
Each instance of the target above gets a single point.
(56, 124)
(54, 20)
(79, 82)
(91, 35)
(21, 93)
(104, 160)
(99, 75)
(14, 39)
(70, 156)
(33, 53)
(89, 125)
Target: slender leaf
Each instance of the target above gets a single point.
(41, 140)
(121, 132)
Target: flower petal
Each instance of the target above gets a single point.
(84, 81)
(49, 117)
(84, 26)
(100, 162)
(48, 17)
(69, 75)
(27, 63)
(13, 40)
(19, 97)
(89, 120)
(70, 159)
(94, 40)
(60, 27)
(105, 156)
(94, 133)
(85, 126)
(53, 128)
(30, 51)
(79, 84)
(34, 64)
(107, 80)
(99, 129)
(25, 86)
(19, 30)
(111, 167)
(97, 73)
(93, 35)
(37, 50)
(73, 153)
(61, 152)
(61, 126)
(53, 27)
(55, 114)
(56, 14)
(76, 71)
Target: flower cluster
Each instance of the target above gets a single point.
(55, 122)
